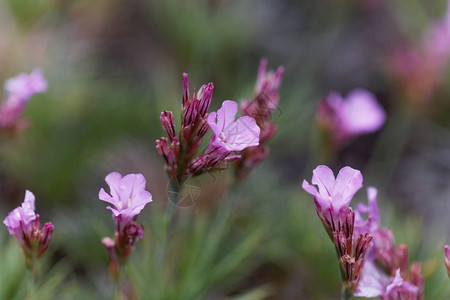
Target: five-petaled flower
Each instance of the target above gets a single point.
(332, 199)
(23, 223)
(332, 192)
(128, 197)
(231, 134)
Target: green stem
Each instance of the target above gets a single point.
(175, 188)
(33, 275)
(346, 294)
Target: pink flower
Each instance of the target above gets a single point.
(19, 90)
(24, 225)
(128, 195)
(24, 86)
(261, 107)
(19, 221)
(268, 85)
(447, 259)
(358, 114)
(371, 224)
(231, 134)
(437, 41)
(373, 282)
(333, 193)
(400, 289)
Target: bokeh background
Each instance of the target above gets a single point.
(113, 66)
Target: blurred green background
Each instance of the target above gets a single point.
(113, 66)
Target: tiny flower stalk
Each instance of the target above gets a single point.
(128, 197)
(23, 223)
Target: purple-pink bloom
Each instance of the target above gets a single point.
(23, 223)
(268, 83)
(333, 192)
(19, 221)
(399, 289)
(127, 195)
(231, 134)
(372, 222)
(359, 113)
(19, 90)
(24, 86)
(372, 282)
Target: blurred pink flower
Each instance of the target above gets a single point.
(261, 107)
(372, 222)
(420, 68)
(19, 90)
(333, 193)
(373, 283)
(447, 259)
(358, 114)
(398, 288)
(127, 195)
(231, 134)
(268, 85)
(24, 86)
(24, 225)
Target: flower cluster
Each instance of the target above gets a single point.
(19, 90)
(261, 107)
(344, 119)
(386, 272)
(128, 197)
(23, 223)
(181, 152)
(332, 198)
(419, 69)
(370, 263)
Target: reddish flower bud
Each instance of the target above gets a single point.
(185, 89)
(168, 124)
(205, 95)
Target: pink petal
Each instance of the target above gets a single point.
(113, 180)
(227, 113)
(212, 123)
(242, 134)
(361, 113)
(348, 182)
(323, 177)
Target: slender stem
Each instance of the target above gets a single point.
(346, 294)
(175, 188)
(33, 275)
